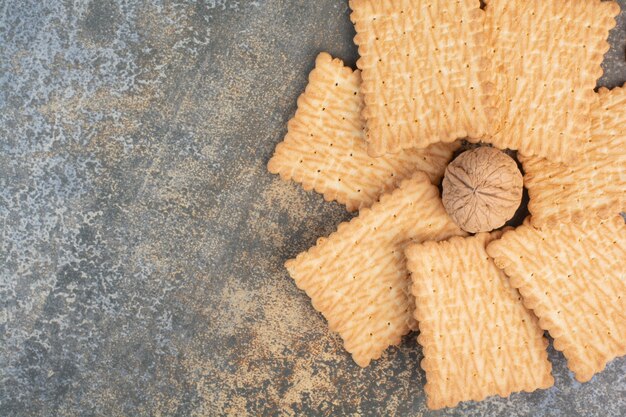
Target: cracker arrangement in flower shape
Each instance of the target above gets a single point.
(515, 76)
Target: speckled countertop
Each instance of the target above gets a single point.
(142, 240)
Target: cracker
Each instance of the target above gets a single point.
(574, 278)
(478, 338)
(325, 150)
(595, 183)
(425, 76)
(547, 57)
(357, 277)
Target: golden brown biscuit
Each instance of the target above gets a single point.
(477, 336)
(594, 184)
(547, 57)
(357, 277)
(574, 279)
(425, 76)
(324, 148)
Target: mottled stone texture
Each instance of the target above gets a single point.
(142, 239)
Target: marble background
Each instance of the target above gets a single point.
(142, 240)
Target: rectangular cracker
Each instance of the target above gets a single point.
(478, 338)
(594, 184)
(325, 149)
(547, 57)
(425, 76)
(357, 277)
(574, 278)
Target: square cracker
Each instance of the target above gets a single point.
(325, 150)
(478, 338)
(547, 57)
(574, 278)
(425, 76)
(594, 184)
(357, 277)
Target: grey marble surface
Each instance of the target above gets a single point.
(142, 240)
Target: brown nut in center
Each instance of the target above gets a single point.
(482, 189)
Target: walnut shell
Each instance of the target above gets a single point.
(482, 189)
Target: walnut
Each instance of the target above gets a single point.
(482, 189)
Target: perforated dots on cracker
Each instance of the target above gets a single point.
(324, 148)
(478, 338)
(594, 183)
(573, 277)
(546, 57)
(357, 277)
(425, 79)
